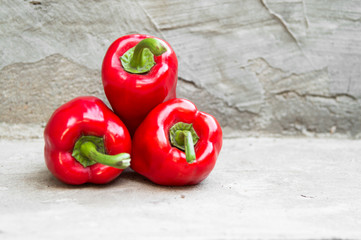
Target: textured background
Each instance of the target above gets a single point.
(264, 66)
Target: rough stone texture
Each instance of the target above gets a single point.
(34, 92)
(271, 66)
(260, 189)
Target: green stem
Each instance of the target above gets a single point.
(189, 146)
(183, 136)
(155, 46)
(140, 59)
(89, 150)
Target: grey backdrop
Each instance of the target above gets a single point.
(266, 66)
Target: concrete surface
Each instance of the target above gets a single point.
(261, 188)
(271, 66)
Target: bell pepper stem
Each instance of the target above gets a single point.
(189, 146)
(140, 59)
(183, 136)
(154, 45)
(89, 150)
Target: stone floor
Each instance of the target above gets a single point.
(261, 188)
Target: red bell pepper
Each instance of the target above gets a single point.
(78, 137)
(176, 144)
(138, 72)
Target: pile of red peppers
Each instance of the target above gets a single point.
(164, 138)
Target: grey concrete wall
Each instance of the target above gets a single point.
(267, 66)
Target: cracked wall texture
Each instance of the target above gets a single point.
(269, 66)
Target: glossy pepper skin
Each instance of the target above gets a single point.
(153, 155)
(83, 116)
(132, 96)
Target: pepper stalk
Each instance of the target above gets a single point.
(184, 137)
(89, 150)
(140, 59)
